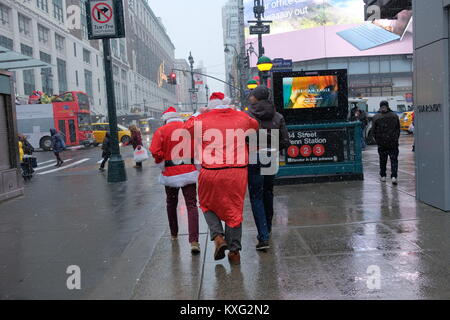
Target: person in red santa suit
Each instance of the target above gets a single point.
(178, 172)
(223, 180)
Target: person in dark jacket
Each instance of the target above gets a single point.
(386, 130)
(135, 141)
(58, 146)
(106, 147)
(357, 114)
(260, 185)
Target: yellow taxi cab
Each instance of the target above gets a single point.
(100, 130)
(406, 120)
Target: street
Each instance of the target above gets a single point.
(326, 239)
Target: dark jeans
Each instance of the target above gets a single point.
(105, 158)
(58, 157)
(392, 153)
(190, 197)
(261, 198)
(233, 236)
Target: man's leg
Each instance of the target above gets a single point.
(217, 234)
(233, 237)
(172, 204)
(256, 190)
(105, 159)
(383, 160)
(393, 154)
(268, 200)
(190, 197)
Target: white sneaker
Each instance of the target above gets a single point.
(383, 179)
(394, 181)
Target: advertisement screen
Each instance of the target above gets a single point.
(310, 92)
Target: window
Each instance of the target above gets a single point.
(59, 42)
(88, 82)
(42, 4)
(24, 25)
(75, 49)
(99, 87)
(46, 74)
(76, 78)
(6, 42)
(4, 14)
(58, 10)
(26, 50)
(43, 33)
(84, 31)
(87, 56)
(62, 75)
(28, 82)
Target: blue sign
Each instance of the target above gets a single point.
(282, 65)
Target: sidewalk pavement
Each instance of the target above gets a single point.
(325, 239)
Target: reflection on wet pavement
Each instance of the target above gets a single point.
(325, 239)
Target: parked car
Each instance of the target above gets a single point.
(406, 120)
(100, 130)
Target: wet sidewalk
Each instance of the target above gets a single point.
(325, 239)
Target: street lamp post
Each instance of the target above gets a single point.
(192, 90)
(264, 66)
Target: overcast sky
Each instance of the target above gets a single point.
(196, 26)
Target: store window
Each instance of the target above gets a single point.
(29, 84)
(6, 42)
(358, 66)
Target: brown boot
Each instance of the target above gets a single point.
(221, 246)
(234, 257)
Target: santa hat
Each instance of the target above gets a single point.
(218, 99)
(170, 113)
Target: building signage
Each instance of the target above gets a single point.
(315, 146)
(105, 19)
(429, 108)
(282, 65)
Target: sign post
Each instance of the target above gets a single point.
(105, 21)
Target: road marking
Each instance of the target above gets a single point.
(65, 167)
(50, 165)
(53, 160)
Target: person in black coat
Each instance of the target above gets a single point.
(260, 185)
(386, 130)
(106, 154)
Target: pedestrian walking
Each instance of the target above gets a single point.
(357, 114)
(260, 186)
(223, 177)
(135, 141)
(107, 150)
(386, 130)
(177, 173)
(58, 146)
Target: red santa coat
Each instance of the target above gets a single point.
(222, 182)
(161, 148)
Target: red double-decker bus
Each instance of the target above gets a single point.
(72, 116)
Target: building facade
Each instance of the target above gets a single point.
(231, 39)
(184, 83)
(55, 31)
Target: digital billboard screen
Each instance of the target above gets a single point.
(310, 92)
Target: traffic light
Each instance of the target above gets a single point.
(172, 78)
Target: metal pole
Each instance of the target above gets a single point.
(116, 165)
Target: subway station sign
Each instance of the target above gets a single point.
(315, 146)
(105, 19)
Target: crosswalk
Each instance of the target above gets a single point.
(51, 163)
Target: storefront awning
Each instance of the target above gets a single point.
(11, 60)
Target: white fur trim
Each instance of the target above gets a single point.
(170, 115)
(162, 165)
(214, 103)
(174, 120)
(180, 180)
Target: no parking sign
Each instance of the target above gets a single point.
(105, 19)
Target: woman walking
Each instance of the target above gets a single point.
(135, 141)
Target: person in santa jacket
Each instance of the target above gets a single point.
(223, 180)
(177, 173)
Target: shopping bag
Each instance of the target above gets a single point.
(411, 128)
(140, 154)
